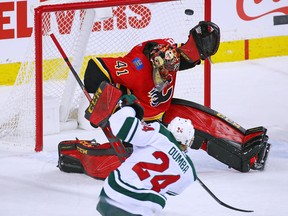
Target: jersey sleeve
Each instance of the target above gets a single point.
(128, 128)
(138, 133)
(118, 119)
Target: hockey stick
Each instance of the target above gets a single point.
(115, 143)
(219, 201)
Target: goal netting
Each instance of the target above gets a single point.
(46, 96)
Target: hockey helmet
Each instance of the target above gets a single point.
(182, 129)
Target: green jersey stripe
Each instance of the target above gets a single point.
(134, 131)
(123, 132)
(135, 193)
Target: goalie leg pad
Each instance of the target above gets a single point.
(228, 154)
(89, 157)
(70, 164)
(238, 156)
(69, 158)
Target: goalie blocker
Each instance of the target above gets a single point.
(106, 100)
(89, 157)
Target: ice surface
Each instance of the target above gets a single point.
(252, 93)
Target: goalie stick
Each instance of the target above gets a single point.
(115, 143)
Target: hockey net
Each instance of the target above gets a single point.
(46, 95)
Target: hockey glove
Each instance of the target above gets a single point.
(207, 38)
(103, 104)
(203, 42)
(132, 101)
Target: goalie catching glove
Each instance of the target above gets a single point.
(203, 42)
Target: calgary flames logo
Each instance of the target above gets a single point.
(158, 97)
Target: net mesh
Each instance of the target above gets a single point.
(84, 34)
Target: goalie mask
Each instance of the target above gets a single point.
(182, 129)
(165, 60)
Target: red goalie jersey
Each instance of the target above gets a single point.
(135, 72)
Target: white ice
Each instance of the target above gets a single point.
(252, 93)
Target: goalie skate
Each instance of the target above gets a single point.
(262, 157)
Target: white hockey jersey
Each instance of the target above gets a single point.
(156, 167)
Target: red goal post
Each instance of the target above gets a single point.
(88, 29)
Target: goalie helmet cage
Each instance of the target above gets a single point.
(88, 29)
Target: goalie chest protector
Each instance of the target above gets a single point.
(89, 157)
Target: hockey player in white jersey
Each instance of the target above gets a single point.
(157, 167)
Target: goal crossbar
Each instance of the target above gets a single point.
(46, 99)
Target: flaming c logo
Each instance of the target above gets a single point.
(243, 15)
